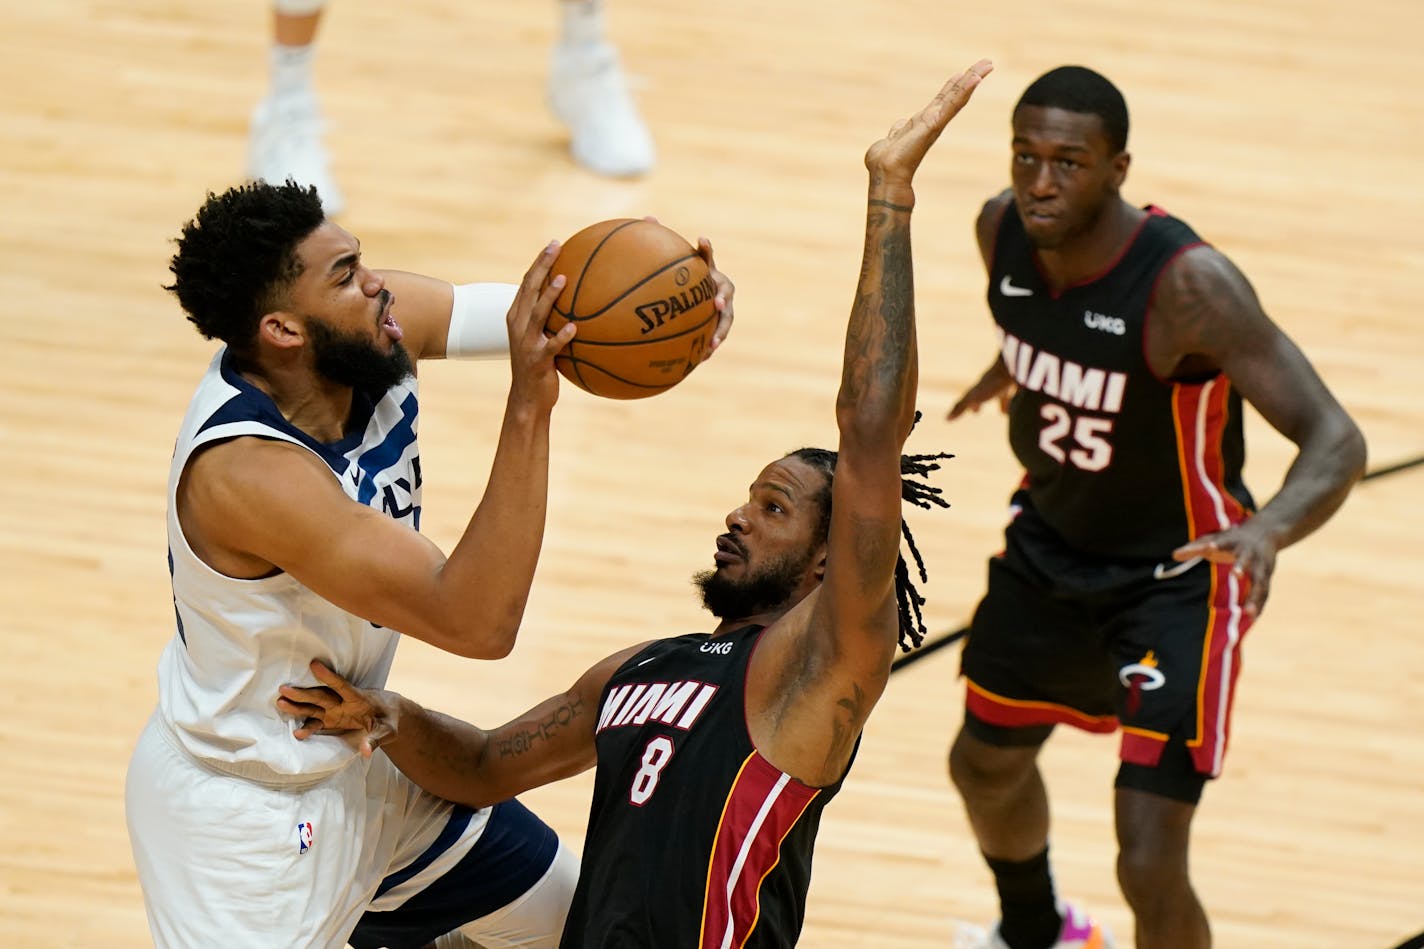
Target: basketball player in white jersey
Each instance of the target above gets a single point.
(293, 516)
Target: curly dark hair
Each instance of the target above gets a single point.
(239, 255)
(918, 493)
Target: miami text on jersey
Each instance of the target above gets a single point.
(1097, 390)
(673, 703)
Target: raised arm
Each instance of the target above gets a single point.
(876, 405)
(467, 320)
(840, 640)
(1206, 317)
(451, 758)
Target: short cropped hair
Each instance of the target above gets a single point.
(1079, 89)
(239, 255)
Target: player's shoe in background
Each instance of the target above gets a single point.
(284, 141)
(589, 94)
(1080, 931)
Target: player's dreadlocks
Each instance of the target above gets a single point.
(917, 492)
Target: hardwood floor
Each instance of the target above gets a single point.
(1290, 134)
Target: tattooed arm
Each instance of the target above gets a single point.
(451, 758)
(875, 408)
(812, 686)
(1206, 319)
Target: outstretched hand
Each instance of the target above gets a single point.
(362, 718)
(895, 157)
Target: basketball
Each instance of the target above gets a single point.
(642, 298)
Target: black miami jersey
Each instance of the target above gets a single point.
(1118, 462)
(694, 839)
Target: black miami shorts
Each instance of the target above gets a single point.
(1151, 648)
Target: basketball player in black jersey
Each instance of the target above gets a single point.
(716, 754)
(1136, 560)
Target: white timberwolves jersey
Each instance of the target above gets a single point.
(238, 640)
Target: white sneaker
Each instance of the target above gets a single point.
(285, 142)
(588, 93)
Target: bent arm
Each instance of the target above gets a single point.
(1209, 318)
(469, 765)
(451, 758)
(252, 505)
(466, 764)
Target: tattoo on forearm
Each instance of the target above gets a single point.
(897, 304)
(853, 375)
(545, 729)
(882, 203)
(877, 339)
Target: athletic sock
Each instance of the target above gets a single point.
(1029, 909)
(291, 68)
(582, 22)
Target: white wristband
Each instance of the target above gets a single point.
(477, 320)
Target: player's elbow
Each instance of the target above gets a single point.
(481, 643)
(1354, 450)
(478, 629)
(870, 421)
(496, 646)
(1344, 444)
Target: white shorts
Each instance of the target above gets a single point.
(234, 862)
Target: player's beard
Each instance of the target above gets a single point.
(769, 588)
(352, 359)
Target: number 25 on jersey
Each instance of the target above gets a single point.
(1083, 436)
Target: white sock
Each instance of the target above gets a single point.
(291, 68)
(582, 22)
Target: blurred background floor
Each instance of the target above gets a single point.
(1290, 133)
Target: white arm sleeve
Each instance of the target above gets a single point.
(477, 324)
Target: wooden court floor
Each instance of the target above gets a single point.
(1289, 132)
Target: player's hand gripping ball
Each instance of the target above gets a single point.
(643, 300)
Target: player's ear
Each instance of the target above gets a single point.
(280, 329)
(1120, 163)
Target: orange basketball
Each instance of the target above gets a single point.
(642, 298)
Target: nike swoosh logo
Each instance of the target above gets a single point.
(1007, 288)
(646, 661)
(1164, 572)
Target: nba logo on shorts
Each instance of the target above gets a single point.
(305, 836)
